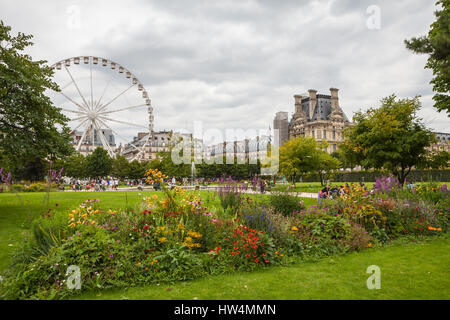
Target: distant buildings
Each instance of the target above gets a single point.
(316, 115)
(92, 140)
(145, 147)
(443, 143)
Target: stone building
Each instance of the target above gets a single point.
(91, 140)
(443, 143)
(316, 115)
(149, 147)
(245, 151)
(159, 141)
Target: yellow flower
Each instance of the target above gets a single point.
(294, 228)
(71, 215)
(369, 245)
(138, 263)
(162, 239)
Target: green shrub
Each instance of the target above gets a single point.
(285, 203)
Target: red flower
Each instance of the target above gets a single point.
(266, 261)
(256, 260)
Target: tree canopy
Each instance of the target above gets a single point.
(437, 45)
(391, 137)
(29, 121)
(305, 156)
(98, 164)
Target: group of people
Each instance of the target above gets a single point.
(96, 185)
(335, 191)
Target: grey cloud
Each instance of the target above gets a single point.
(235, 63)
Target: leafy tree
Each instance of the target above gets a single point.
(99, 164)
(120, 167)
(28, 119)
(75, 166)
(438, 160)
(154, 164)
(346, 159)
(437, 45)
(326, 165)
(136, 170)
(298, 157)
(391, 137)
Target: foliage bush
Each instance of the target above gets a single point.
(230, 194)
(285, 203)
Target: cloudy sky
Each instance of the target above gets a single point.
(234, 64)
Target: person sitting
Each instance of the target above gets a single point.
(325, 192)
(334, 191)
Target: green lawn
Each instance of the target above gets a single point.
(408, 271)
(18, 210)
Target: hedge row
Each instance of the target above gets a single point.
(357, 176)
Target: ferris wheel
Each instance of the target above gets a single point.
(106, 105)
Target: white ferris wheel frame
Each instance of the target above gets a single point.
(93, 114)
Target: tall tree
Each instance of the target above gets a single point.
(326, 165)
(28, 120)
(75, 166)
(99, 164)
(391, 137)
(299, 156)
(120, 167)
(136, 170)
(437, 45)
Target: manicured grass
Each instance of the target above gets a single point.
(408, 271)
(18, 210)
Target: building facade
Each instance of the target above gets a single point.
(92, 140)
(316, 115)
(443, 143)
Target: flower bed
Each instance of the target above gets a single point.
(175, 236)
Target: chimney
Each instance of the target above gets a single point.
(334, 99)
(298, 103)
(312, 102)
